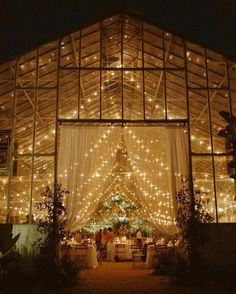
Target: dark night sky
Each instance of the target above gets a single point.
(24, 24)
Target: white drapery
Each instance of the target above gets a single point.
(158, 157)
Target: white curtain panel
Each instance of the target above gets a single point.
(158, 157)
(86, 157)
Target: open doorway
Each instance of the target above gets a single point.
(122, 178)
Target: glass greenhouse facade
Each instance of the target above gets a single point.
(121, 71)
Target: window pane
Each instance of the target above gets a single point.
(219, 102)
(90, 94)
(70, 46)
(45, 121)
(196, 66)
(90, 46)
(43, 176)
(132, 43)
(27, 70)
(21, 183)
(199, 121)
(133, 95)
(154, 95)
(111, 94)
(217, 73)
(111, 40)
(47, 66)
(68, 97)
(225, 190)
(174, 52)
(24, 120)
(203, 182)
(153, 44)
(176, 95)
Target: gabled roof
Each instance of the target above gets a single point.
(24, 25)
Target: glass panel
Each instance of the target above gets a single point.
(27, 70)
(68, 97)
(7, 79)
(3, 197)
(90, 94)
(21, 183)
(70, 46)
(111, 94)
(232, 76)
(6, 110)
(45, 121)
(176, 95)
(174, 52)
(217, 73)
(196, 66)
(111, 20)
(132, 43)
(203, 182)
(111, 40)
(43, 176)
(24, 120)
(225, 189)
(47, 67)
(154, 94)
(219, 102)
(90, 46)
(133, 94)
(199, 121)
(153, 44)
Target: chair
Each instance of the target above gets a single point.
(80, 255)
(120, 251)
(138, 255)
(101, 254)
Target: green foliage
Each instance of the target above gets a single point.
(53, 226)
(117, 212)
(29, 274)
(185, 213)
(189, 216)
(171, 262)
(52, 270)
(186, 265)
(57, 273)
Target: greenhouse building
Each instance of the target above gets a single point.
(123, 114)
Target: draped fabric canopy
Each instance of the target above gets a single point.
(144, 164)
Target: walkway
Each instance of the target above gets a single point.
(114, 278)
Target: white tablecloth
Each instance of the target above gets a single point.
(150, 256)
(92, 257)
(91, 252)
(123, 252)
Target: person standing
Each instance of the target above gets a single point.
(139, 236)
(98, 238)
